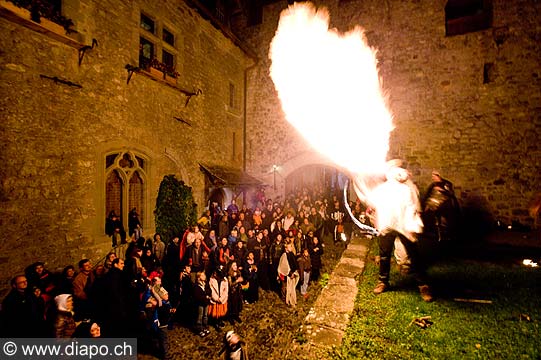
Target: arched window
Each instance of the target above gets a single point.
(125, 175)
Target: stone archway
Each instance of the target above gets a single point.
(308, 168)
(315, 176)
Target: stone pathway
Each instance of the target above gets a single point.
(329, 317)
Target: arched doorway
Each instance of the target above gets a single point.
(316, 177)
(217, 196)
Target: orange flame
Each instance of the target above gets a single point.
(330, 90)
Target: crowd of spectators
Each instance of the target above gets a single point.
(198, 279)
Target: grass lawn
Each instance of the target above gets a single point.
(507, 328)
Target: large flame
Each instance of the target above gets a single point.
(330, 89)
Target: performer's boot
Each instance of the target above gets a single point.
(384, 269)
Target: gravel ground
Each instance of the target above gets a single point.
(269, 327)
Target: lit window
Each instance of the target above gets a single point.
(147, 23)
(146, 52)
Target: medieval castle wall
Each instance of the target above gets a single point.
(467, 105)
(56, 134)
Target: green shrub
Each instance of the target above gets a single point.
(175, 208)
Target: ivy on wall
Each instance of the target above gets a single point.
(175, 208)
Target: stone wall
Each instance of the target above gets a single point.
(55, 135)
(482, 136)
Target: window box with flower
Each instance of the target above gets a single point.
(161, 71)
(40, 16)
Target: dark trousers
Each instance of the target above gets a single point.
(386, 247)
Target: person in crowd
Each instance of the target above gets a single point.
(172, 265)
(235, 297)
(211, 241)
(39, 327)
(232, 238)
(223, 253)
(290, 239)
(195, 257)
(257, 219)
(322, 210)
(276, 249)
(223, 227)
(234, 348)
(115, 309)
(278, 214)
(158, 247)
(247, 211)
(305, 267)
(65, 281)
(266, 219)
(316, 252)
(232, 208)
(240, 252)
(87, 329)
(277, 228)
(82, 285)
(134, 224)
(64, 324)
(289, 275)
(307, 226)
(215, 215)
(242, 235)
(204, 222)
(149, 261)
(17, 316)
(299, 242)
(251, 236)
(133, 266)
(108, 263)
(260, 250)
(246, 221)
(250, 275)
(339, 232)
(316, 220)
(195, 233)
(185, 302)
(399, 218)
(150, 323)
(219, 287)
(39, 276)
(441, 210)
(202, 297)
(115, 229)
(288, 221)
(165, 312)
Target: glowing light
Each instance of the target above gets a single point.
(330, 90)
(529, 262)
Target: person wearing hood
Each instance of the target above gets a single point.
(64, 324)
(398, 216)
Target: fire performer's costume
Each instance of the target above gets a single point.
(398, 215)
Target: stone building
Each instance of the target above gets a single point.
(465, 90)
(87, 127)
